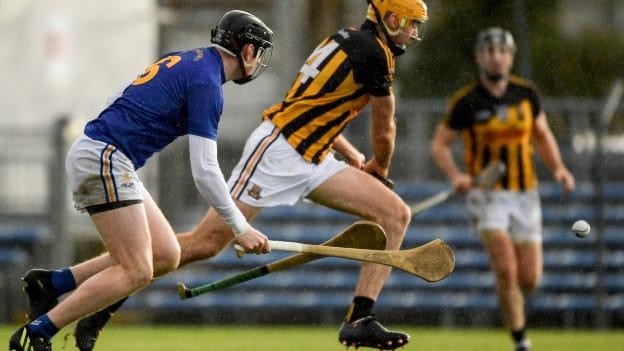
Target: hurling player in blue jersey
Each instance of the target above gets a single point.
(180, 94)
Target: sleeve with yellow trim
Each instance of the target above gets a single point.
(371, 63)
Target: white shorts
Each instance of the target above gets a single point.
(517, 213)
(101, 175)
(272, 173)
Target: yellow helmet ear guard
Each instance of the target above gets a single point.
(408, 12)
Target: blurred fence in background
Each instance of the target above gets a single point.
(583, 283)
(29, 191)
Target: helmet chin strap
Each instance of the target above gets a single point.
(242, 65)
(245, 77)
(493, 77)
(397, 50)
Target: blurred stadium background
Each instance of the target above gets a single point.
(61, 59)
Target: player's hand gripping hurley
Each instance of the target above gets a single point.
(486, 180)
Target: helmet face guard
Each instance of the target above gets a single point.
(235, 30)
(261, 62)
(412, 14)
(406, 29)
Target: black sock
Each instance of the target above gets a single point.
(518, 335)
(114, 307)
(361, 307)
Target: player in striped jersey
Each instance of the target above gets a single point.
(500, 118)
(288, 158)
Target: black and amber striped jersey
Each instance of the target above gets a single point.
(331, 88)
(498, 128)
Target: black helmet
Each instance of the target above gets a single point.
(236, 29)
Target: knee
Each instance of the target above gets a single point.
(395, 218)
(141, 276)
(404, 215)
(506, 275)
(529, 282)
(167, 260)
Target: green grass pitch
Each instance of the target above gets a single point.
(272, 338)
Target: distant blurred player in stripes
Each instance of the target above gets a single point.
(500, 117)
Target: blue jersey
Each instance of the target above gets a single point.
(179, 94)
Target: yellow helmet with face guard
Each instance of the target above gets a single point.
(409, 13)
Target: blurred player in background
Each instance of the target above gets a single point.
(178, 95)
(500, 117)
(288, 157)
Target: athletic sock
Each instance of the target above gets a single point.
(63, 281)
(518, 335)
(43, 327)
(362, 306)
(114, 307)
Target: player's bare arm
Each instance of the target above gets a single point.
(548, 150)
(383, 132)
(351, 154)
(441, 154)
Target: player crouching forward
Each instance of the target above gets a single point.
(287, 157)
(179, 94)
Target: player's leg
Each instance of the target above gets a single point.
(358, 193)
(526, 232)
(355, 192)
(125, 234)
(44, 287)
(166, 254)
(206, 240)
(165, 246)
(503, 261)
(493, 216)
(529, 270)
(211, 235)
(530, 265)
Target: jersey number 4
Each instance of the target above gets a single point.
(310, 68)
(152, 70)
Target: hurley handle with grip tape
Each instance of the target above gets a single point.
(385, 181)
